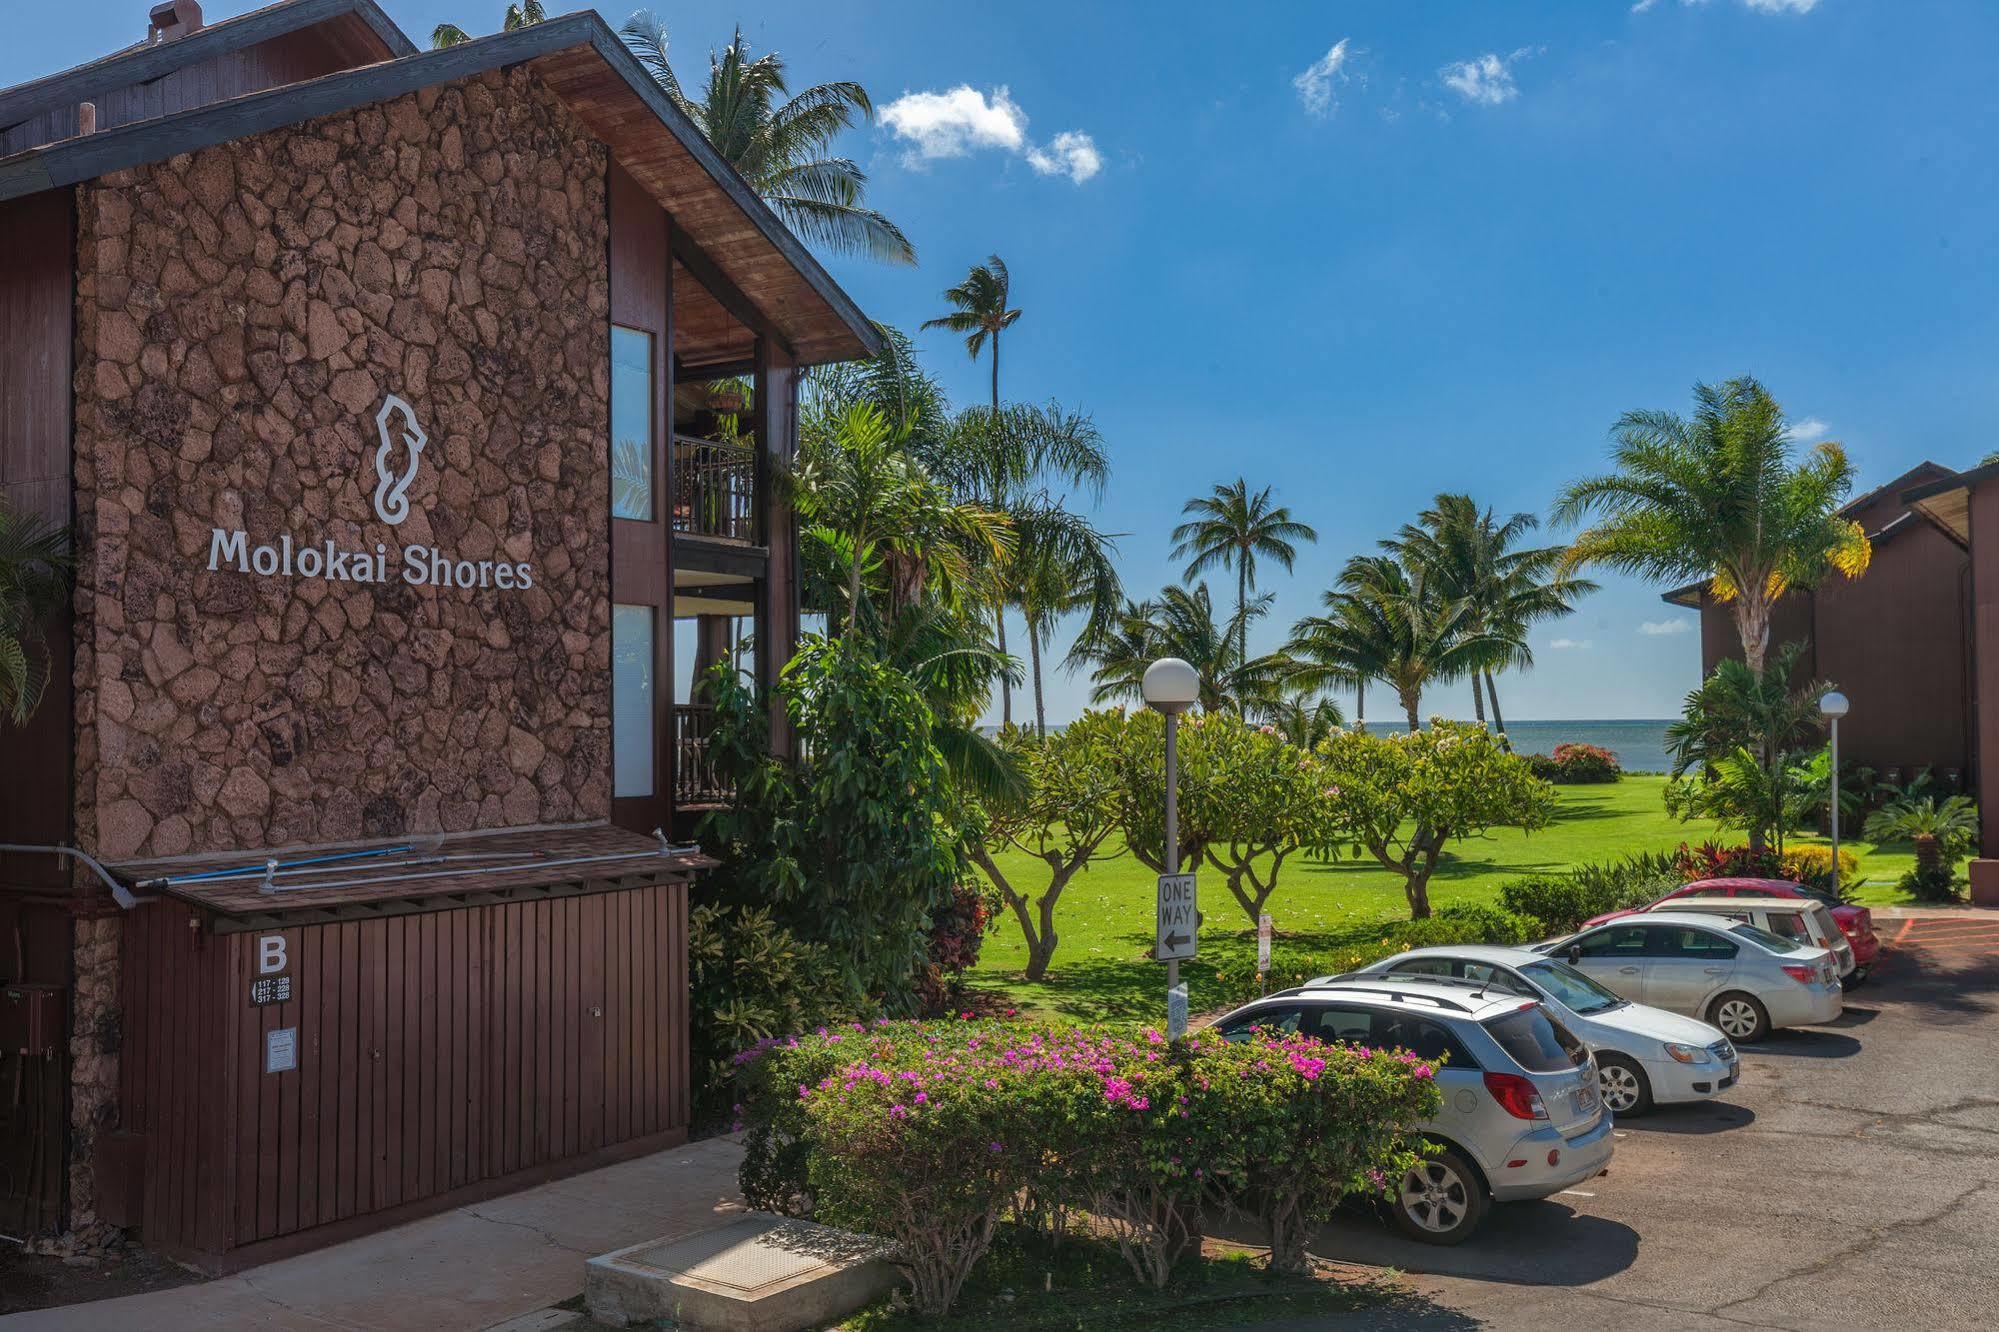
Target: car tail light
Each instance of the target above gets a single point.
(1516, 1095)
(1803, 975)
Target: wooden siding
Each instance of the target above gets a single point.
(34, 1089)
(37, 317)
(437, 1053)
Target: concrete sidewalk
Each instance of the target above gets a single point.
(468, 1268)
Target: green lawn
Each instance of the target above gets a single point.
(1105, 918)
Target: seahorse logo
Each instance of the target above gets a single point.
(392, 491)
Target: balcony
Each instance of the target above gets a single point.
(714, 490)
(695, 783)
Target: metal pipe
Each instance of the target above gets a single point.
(124, 896)
(284, 866)
(258, 872)
(384, 879)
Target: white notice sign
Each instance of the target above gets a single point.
(281, 1050)
(1174, 941)
(1263, 943)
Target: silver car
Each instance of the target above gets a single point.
(1744, 980)
(1521, 1117)
(1799, 920)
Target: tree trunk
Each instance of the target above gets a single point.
(1006, 684)
(1478, 698)
(1034, 652)
(1412, 703)
(1752, 624)
(1498, 722)
(1360, 705)
(1417, 890)
(1241, 610)
(1929, 854)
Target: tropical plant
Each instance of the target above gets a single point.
(1303, 720)
(1736, 708)
(1179, 624)
(1404, 797)
(1941, 833)
(1388, 620)
(891, 382)
(520, 14)
(1718, 498)
(1765, 801)
(1265, 800)
(1064, 818)
(983, 312)
(1470, 556)
(780, 143)
(1233, 529)
(1576, 764)
(34, 578)
(1063, 565)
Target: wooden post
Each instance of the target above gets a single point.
(776, 417)
(1983, 520)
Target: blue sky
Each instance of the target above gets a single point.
(1449, 258)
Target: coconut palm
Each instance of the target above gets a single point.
(982, 312)
(1470, 555)
(1718, 498)
(778, 142)
(1180, 624)
(1062, 565)
(522, 14)
(1388, 621)
(1304, 720)
(34, 576)
(1233, 529)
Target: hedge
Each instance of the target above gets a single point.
(1457, 924)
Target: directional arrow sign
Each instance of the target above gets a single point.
(1174, 940)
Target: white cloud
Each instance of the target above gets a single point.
(952, 124)
(1071, 153)
(1807, 430)
(964, 120)
(1565, 643)
(1782, 6)
(1318, 86)
(1486, 80)
(1661, 628)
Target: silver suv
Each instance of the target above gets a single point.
(1521, 1116)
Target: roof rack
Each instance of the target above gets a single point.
(1391, 991)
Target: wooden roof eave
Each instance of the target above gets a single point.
(721, 225)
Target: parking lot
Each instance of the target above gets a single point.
(1851, 1180)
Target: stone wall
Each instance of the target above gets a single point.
(242, 314)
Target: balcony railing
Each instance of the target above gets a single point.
(694, 778)
(714, 489)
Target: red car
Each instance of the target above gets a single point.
(1855, 922)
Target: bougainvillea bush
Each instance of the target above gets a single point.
(1576, 764)
(930, 1133)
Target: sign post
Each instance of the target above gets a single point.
(1172, 686)
(1262, 948)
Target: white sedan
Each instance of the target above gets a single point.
(1644, 1056)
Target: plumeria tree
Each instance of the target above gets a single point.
(1265, 801)
(1064, 818)
(1404, 798)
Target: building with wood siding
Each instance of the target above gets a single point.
(1896, 640)
(400, 402)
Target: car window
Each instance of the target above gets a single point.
(1278, 1019)
(1763, 938)
(1536, 1041)
(1579, 992)
(1423, 966)
(1828, 928)
(1687, 941)
(1790, 924)
(1614, 941)
(1329, 1022)
(1421, 1036)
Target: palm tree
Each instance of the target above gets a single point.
(1940, 831)
(1470, 555)
(34, 576)
(522, 14)
(982, 313)
(778, 143)
(1180, 624)
(1389, 622)
(1063, 564)
(1233, 529)
(1718, 498)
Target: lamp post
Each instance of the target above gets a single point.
(1171, 686)
(1833, 706)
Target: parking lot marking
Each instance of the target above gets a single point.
(1907, 925)
(1577, 1193)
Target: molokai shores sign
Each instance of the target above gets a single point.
(417, 564)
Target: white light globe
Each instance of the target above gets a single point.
(1171, 685)
(1833, 705)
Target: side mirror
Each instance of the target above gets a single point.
(1575, 954)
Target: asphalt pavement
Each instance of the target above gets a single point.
(1851, 1179)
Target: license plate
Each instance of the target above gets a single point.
(1585, 1099)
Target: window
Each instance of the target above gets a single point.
(1423, 966)
(631, 424)
(1685, 941)
(631, 700)
(1279, 1021)
(1616, 941)
(1789, 924)
(1763, 939)
(1536, 1041)
(1421, 1037)
(1352, 1025)
(1577, 991)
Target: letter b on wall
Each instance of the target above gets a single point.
(270, 954)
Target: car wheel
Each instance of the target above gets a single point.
(1857, 979)
(1442, 1200)
(1627, 1092)
(1741, 1018)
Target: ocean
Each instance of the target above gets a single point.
(1640, 746)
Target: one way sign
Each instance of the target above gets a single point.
(1178, 917)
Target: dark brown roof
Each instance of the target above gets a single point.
(147, 61)
(723, 223)
(462, 871)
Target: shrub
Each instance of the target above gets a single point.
(1808, 865)
(1563, 902)
(1576, 764)
(957, 932)
(928, 1133)
(1812, 866)
(1936, 884)
(1461, 923)
(752, 979)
